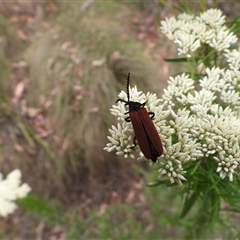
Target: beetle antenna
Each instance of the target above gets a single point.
(128, 80)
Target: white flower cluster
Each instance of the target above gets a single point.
(203, 129)
(10, 190)
(190, 32)
(215, 127)
(198, 120)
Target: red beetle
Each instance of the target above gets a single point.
(145, 132)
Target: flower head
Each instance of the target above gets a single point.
(10, 190)
(213, 18)
(233, 59)
(190, 32)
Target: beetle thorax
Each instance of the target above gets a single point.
(135, 106)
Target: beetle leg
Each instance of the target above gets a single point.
(127, 119)
(151, 114)
(120, 100)
(134, 142)
(143, 104)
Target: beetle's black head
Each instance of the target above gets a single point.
(134, 106)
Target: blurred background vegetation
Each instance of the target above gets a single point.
(62, 65)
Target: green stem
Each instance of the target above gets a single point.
(192, 67)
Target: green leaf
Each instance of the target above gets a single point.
(232, 209)
(215, 201)
(183, 7)
(234, 23)
(189, 202)
(40, 207)
(176, 59)
(161, 182)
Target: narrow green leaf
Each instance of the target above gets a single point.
(183, 7)
(189, 202)
(215, 200)
(176, 59)
(26, 134)
(161, 182)
(234, 23)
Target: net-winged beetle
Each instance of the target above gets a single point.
(145, 132)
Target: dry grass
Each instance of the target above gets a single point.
(75, 65)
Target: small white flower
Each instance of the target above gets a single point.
(213, 18)
(175, 174)
(226, 165)
(214, 80)
(218, 110)
(232, 78)
(233, 59)
(230, 97)
(181, 122)
(177, 89)
(203, 97)
(185, 17)
(121, 140)
(188, 44)
(10, 190)
(170, 27)
(221, 39)
(184, 33)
